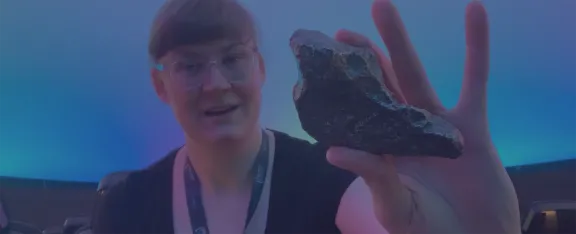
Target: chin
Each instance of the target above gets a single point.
(225, 133)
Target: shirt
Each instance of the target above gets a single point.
(304, 194)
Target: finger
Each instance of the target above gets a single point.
(358, 40)
(352, 38)
(411, 75)
(474, 87)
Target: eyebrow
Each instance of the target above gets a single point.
(234, 45)
(187, 53)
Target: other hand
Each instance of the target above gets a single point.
(472, 192)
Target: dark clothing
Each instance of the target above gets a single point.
(304, 196)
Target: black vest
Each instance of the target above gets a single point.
(304, 197)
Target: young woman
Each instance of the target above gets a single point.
(233, 176)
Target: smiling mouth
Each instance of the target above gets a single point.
(214, 112)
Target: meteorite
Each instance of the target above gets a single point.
(342, 100)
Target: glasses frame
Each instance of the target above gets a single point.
(163, 68)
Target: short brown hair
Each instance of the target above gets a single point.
(186, 22)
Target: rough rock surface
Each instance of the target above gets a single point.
(341, 100)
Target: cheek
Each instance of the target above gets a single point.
(181, 98)
(250, 95)
(180, 89)
(250, 92)
(176, 89)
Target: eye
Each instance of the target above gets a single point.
(192, 65)
(232, 59)
(189, 66)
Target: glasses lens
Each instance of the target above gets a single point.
(235, 67)
(238, 67)
(187, 71)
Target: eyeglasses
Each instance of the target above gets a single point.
(235, 67)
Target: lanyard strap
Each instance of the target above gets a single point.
(193, 194)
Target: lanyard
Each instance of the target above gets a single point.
(193, 194)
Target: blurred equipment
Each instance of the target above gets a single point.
(84, 230)
(74, 224)
(558, 217)
(15, 227)
(3, 217)
(53, 230)
(8, 226)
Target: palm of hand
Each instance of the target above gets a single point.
(474, 190)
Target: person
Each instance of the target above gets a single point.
(233, 176)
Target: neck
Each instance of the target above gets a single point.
(224, 167)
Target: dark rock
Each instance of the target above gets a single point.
(341, 100)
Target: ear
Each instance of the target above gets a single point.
(159, 85)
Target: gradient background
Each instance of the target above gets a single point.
(76, 100)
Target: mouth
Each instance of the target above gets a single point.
(220, 111)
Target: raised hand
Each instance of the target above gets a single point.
(471, 194)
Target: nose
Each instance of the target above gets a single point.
(214, 79)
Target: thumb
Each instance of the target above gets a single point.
(392, 200)
(364, 164)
